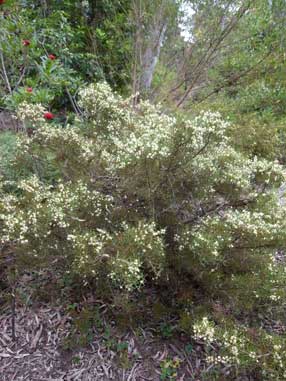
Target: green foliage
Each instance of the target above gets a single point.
(85, 322)
(169, 369)
(7, 151)
(117, 196)
(253, 350)
(247, 81)
(166, 330)
(29, 65)
(53, 50)
(141, 197)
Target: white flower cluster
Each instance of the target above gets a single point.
(149, 245)
(102, 105)
(43, 208)
(221, 167)
(127, 274)
(128, 135)
(68, 139)
(90, 249)
(125, 253)
(208, 128)
(207, 243)
(32, 114)
(76, 203)
(137, 248)
(271, 172)
(279, 355)
(236, 347)
(18, 223)
(231, 344)
(14, 226)
(255, 225)
(204, 330)
(217, 234)
(211, 159)
(150, 138)
(218, 360)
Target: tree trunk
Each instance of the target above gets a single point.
(151, 56)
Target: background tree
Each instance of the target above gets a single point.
(153, 21)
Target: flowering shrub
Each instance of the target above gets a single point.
(48, 115)
(30, 114)
(51, 50)
(52, 57)
(27, 63)
(134, 195)
(239, 347)
(73, 223)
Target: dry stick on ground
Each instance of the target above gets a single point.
(13, 312)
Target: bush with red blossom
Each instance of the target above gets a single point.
(48, 115)
(26, 42)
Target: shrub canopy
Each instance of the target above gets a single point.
(131, 195)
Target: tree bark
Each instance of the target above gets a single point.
(151, 57)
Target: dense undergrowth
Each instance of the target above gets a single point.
(173, 220)
(128, 197)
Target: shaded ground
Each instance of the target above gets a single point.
(8, 122)
(40, 352)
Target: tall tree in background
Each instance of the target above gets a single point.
(228, 43)
(153, 20)
(209, 27)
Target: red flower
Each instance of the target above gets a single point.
(26, 42)
(48, 115)
(2, 2)
(29, 89)
(52, 57)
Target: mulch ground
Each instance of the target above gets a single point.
(38, 353)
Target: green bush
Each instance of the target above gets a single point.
(48, 51)
(137, 196)
(7, 152)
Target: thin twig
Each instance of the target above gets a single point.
(7, 82)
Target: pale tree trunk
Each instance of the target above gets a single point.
(151, 57)
(44, 6)
(137, 9)
(148, 40)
